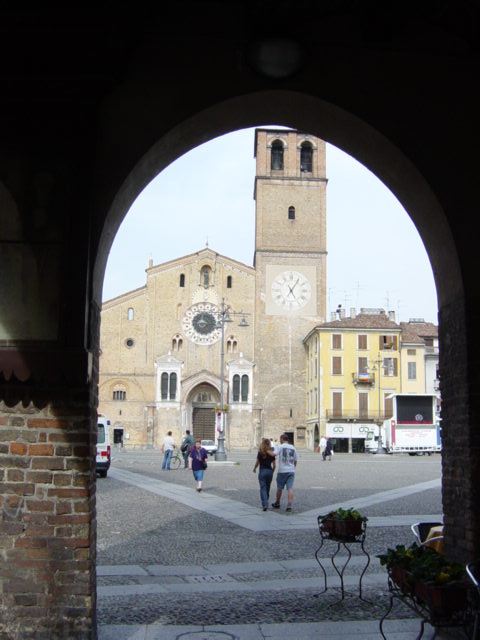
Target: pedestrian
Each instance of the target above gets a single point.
(197, 462)
(323, 442)
(167, 448)
(187, 443)
(328, 450)
(265, 474)
(287, 461)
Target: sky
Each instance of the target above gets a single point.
(376, 257)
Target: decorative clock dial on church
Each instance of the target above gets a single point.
(200, 324)
(291, 290)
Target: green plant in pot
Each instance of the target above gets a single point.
(428, 576)
(343, 523)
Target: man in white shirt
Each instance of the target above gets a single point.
(287, 461)
(167, 448)
(323, 444)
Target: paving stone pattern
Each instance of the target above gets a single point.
(158, 535)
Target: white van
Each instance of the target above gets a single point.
(104, 451)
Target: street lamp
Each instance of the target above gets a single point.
(223, 316)
(377, 367)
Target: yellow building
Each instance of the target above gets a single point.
(353, 367)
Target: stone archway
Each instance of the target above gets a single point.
(79, 146)
(367, 145)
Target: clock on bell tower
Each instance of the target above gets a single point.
(290, 265)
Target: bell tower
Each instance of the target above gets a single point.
(290, 264)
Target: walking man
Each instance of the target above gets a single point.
(323, 442)
(287, 461)
(167, 448)
(187, 443)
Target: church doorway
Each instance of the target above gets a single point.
(204, 401)
(203, 420)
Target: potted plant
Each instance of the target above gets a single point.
(397, 561)
(429, 577)
(343, 523)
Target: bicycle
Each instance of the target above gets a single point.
(177, 460)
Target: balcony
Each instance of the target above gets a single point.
(354, 415)
(363, 378)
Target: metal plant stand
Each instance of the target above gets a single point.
(345, 542)
(462, 617)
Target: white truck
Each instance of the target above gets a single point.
(413, 427)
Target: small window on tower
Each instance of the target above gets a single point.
(182, 279)
(229, 282)
(276, 163)
(291, 213)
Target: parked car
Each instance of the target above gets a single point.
(209, 446)
(104, 451)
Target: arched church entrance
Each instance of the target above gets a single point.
(204, 399)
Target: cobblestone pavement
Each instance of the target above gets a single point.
(161, 561)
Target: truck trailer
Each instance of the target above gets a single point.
(413, 428)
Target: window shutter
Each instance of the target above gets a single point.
(337, 404)
(164, 389)
(388, 402)
(236, 388)
(336, 365)
(363, 405)
(244, 388)
(173, 386)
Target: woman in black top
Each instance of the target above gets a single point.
(267, 466)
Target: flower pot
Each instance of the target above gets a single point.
(343, 528)
(443, 600)
(402, 578)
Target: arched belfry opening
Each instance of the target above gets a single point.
(85, 127)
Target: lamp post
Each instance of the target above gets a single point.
(223, 316)
(378, 367)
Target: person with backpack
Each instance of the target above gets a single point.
(187, 443)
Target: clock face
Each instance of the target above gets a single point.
(291, 290)
(200, 325)
(204, 323)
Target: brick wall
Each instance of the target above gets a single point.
(48, 526)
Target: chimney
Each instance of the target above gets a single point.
(342, 313)
(150, 263)
(353, 312)
(391, 316)
(333, 316)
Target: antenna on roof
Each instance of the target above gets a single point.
(206, 241)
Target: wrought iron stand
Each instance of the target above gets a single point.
(462, 618)
(345, 542)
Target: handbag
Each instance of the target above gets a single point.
(204, 464)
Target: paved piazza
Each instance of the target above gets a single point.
(172, 558)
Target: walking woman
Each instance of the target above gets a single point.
(197, 462)
(266, 462)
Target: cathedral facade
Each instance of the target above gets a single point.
(208, 333)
